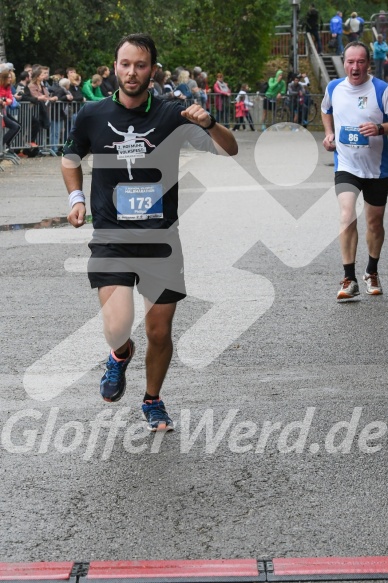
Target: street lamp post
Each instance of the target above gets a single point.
(295, 10)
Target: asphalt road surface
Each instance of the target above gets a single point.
(279, 393)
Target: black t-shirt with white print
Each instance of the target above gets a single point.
(133, 147)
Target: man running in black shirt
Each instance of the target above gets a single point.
(133, 196)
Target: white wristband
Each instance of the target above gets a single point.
(76, 196)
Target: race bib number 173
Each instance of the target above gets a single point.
(139, 202)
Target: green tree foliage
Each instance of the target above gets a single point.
(232, 37)
(60, 33)
(217, 35)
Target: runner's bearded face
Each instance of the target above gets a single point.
(133, 70)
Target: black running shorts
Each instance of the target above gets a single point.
(374, 190)
(156, 269)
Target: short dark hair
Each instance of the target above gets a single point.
(101, 70)
(24, 75)
(143, 41)
(357, 43)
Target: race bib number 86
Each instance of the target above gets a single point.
(351, 136)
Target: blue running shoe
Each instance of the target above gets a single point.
(156, 416)
(113, 382)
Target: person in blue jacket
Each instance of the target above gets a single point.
(380, 49)
(336, 31)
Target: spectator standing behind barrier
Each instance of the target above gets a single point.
(313, 25)
(183, 86)
(70, 71)
(91, 89)
(113, 79)
(46, 77)
(222, 100)
(380, 49)
(276, 88)
(106, 87)
(336, 29)
(41, 94)
(23, 94)
(240, 111)
(193, 86)
(62, 112)
(157, 86)
(305, 82)
(22, 85)
(248, 104)
(296, 92)
(5, 101)
(13, 109)
(203, 88)
(352, 27)
(168, 84)
(58, 75)
(75, 82)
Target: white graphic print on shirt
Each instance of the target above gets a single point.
(131, 147)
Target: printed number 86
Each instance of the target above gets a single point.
(353, 138)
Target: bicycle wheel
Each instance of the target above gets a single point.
(283, 114)
(312, 112)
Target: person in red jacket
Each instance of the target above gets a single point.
(5, 101)
(241, 112)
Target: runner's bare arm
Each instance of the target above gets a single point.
(73, 178)
(221, 136)
(328, 124)
(371, 129)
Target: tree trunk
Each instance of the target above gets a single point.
(3, 58)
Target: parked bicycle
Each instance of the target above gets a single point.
(308, 109)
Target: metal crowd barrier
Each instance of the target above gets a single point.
(49, 126)
(306, 111)
(46, 125)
